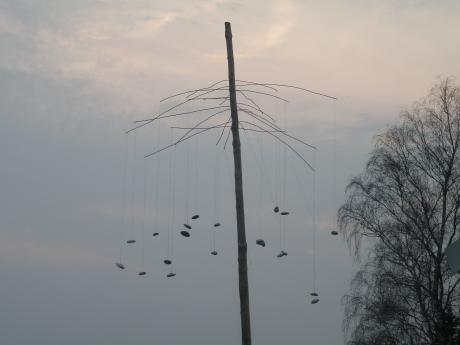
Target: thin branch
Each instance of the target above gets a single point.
(298, 88)
(201, 122)
(259, 110)
(228, 136)
(285, 143)
(256, 106)
(211, 98)
(252, 83)
(259, 118)
(250, 113)
(192, 91)
(265, 94)
(248, 83)
(223, 130)
(184, 113)
(223, 125)
(174, 144)
(159, 115)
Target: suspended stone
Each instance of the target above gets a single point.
(314, 301)
(280, 255)
(284, 253)
(188, 226)
(167, 262)
(120, 265)
(216, 225)
(142, 273)
(156, 234)
(130, 241)
(276, 209)
(334, 233)
(169, 275)
(213, 252)
(284, 213)
(260, 242)
(196, 216)
(185, 233)
(314, 294)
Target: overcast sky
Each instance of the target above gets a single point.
(74, 74)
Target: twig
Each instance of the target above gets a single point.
(259, 118)
(285, 143)
(192, 91)
(259, 110)
(184, 113)
(228, 136)
(265, 94)
(223, 130)
(174, 144)
(202, 121)
(298, 88)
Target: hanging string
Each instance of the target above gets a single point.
(283, 230)
(264, 171)
(124, 197)
(156, 173)
(216, 196)
(173, 206)
(314, 219)
(187, 182)
(279, 192)
(334, 168)
(144, 205)
(196, 189)
(170, 182)
(133, 187)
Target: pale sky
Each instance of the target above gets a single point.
(76, 73)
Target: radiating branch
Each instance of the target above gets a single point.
(223, 125)
(223, 130)
(184, 113)
(285, 143)
(259, 118)
(297, 88)
(174, 144)
(201, 122)
(259, 110)
(279, 129)
(191, 92)
(264, 93)
(228, 136)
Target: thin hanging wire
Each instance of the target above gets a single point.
(334, 169)
(156, 173)
(144, 206)
(187, 181)
(173, 207)
(216, 205)
(283, 229)
(170, 196)
(314, 219)
(133, 187)
(124, 197)
(264, 171)
(196, 177)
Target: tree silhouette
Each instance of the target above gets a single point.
(406, 203)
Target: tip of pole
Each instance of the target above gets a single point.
(228, 30)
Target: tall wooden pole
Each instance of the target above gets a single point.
(242, 245)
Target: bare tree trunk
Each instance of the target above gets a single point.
(242, 245)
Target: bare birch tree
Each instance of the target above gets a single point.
(406, 203)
